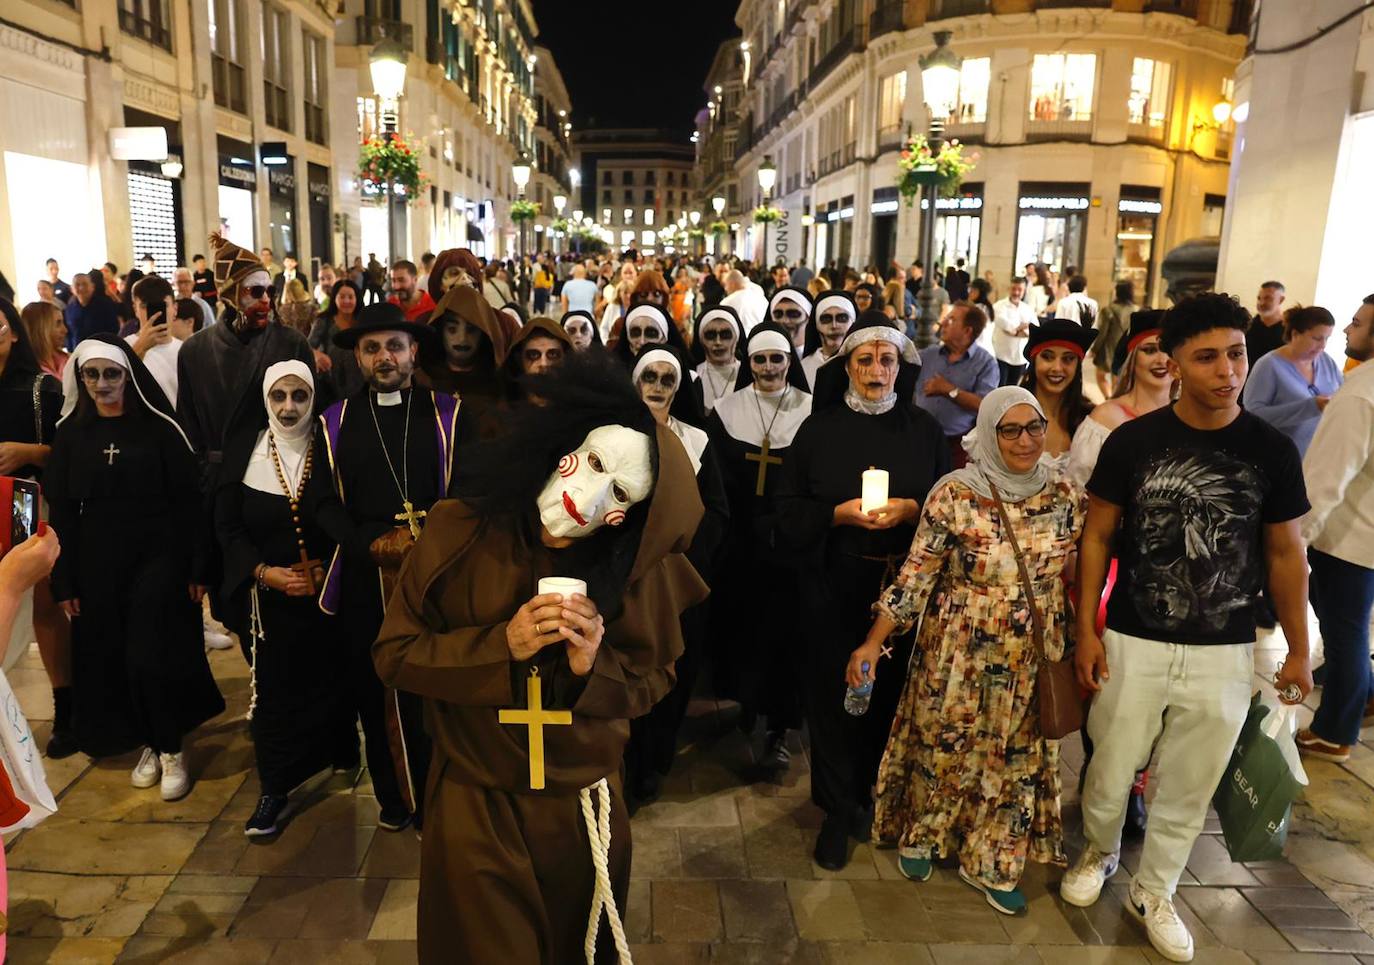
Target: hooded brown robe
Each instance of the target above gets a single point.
(480, 386)
(506, 873)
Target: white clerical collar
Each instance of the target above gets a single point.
(389, 398)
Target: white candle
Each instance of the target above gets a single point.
(562, 584)
(874, 490)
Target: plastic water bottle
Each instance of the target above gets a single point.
(856, 698)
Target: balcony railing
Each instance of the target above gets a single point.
(831, 59)
(968, 131)
(889, 137)
(942, 9)
(887, 17)
(1079, 128)
(373, 30)
(147, 23)
(1145, 131)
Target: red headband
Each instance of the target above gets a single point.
(1073, 347)
(1135, 341)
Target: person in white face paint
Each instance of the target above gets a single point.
(533, 691)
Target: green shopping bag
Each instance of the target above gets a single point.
(1263, 779)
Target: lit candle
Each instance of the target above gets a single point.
(562, 584)
(874, 490)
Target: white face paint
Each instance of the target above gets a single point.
(597, 484)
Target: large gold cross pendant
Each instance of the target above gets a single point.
(535, 717)
(764, 460)
(411, 517)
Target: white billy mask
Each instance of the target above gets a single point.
(597, 484)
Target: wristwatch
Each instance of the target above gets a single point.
(954, 393)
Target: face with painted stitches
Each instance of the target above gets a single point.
(105, 381)
(833, 325)
(254, 301)
(792, 318)
(873, 370)
(769, 366)
(718, 336)
(579, 329)
(462, 342)
(289, 400)
(641, 331)
(597, 484)
(657, 386)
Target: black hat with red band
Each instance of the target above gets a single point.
(1059, 333)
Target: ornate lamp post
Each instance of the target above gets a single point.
(387, 64)
(768, 176)
(940, 85)
(520, 174)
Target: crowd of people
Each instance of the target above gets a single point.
(504, 519)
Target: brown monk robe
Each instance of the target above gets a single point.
(506, 872)
(473, 352)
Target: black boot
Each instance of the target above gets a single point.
(62, 743)
(832, 844)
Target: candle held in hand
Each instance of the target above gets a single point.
(874, 490)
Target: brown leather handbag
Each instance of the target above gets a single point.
(1056, 685)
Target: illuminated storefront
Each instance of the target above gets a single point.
(1137, 223)
(1051, 224)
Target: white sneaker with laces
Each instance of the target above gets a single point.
(176, 780)
(1082, 884)
(1168, 934)
(217, 641)
(147, 770)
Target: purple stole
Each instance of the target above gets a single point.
(446, 431)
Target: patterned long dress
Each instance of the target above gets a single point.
(966, 770)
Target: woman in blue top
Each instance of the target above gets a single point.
(1290, 386)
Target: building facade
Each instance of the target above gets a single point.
(1100, 130)
(718, 142)
(635, 183)
(552, 164)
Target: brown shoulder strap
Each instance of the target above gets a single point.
(1037, 626)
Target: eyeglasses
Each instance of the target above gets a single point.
(113, 374)
(1035, 429)
(258, 291)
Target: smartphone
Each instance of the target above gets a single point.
(21, 498)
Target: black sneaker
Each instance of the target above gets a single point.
(832, 844)
(61, 744)
(267, 817)
(776, 756)
(394, 817)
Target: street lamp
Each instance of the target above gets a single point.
(558, 202)
(718, 203)
(520, 173)
(940, 85)
(768, 176)
(387, 64)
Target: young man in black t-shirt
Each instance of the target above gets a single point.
(1202, 503)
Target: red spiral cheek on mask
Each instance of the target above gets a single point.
(567, 465)
(614, 518)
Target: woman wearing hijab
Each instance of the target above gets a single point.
(831, 319)
(267, 515)
(966, 769)
(718, 347)
(658, 376)
(122, 484)
(862, 417)
(1054, 375)
(753, 610)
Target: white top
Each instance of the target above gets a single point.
(750, 304)
(1085, 448)
(694, 440)
(716, 382)
(1339, 471)
(1071, 307)
(1037, 298)
(812, 364)
(1006, 319)
(748, 412)
(161, 361)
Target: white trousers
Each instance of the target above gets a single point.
(1194, 699)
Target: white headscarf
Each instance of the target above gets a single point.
(93, 349)
(293, 442)
(986, 467)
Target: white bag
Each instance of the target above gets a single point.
(23, 764)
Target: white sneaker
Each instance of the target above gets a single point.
(217, 641)
(1082, 884)
(176, 781)
(147, 770)
(1168, 934)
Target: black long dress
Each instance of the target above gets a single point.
(842, 571)
(20, 421)
(300, 721)
(123, 495)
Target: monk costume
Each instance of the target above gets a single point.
(508, 873)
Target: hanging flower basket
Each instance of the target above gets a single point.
(587, 240)
(718, 227)
(524, 211)
(766, 214)
(946, 169)
(560, 225)
(396, 162)
(695, 233)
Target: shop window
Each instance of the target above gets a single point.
(972, 107)
(227, 55)
(275, 69)
(1148, 104)
(149, 20)
(891, 101)
(1062, 88)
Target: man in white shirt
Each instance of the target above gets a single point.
(746, 298)
(154, 341)
(185, 284)
(1339, 532)
(1011, 322)
(1076, 306)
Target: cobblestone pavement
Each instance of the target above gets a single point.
(722, 872)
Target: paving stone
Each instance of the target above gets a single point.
(674, 954)
(146, 950)
(875, 953)
(711, 811)
(1329, 940)
(1045, 922)
(45, 905)
(657, 853)
(638, 913)
(1211, 865)
(62, 951)
(344, 908)
(193, 916)
(277, 907)
(984, 955)
(791, 952)
(1264, 898)
(1303, 958)
(757, 811)
(104, 794)
(756, 911)
(219, 851)
(395, 919)
(1233, 920)
(779, 852)
(825, 910)
(398, 856)
(686, 911)
(892, 911)
(327, 851)
(712, 853)
(73, 846)
(194, 884)
(296, 951)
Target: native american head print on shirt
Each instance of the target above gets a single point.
(1191, 540)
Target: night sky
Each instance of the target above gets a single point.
(634, 64)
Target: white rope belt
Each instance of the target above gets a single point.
(255, 634)
(599, 837)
